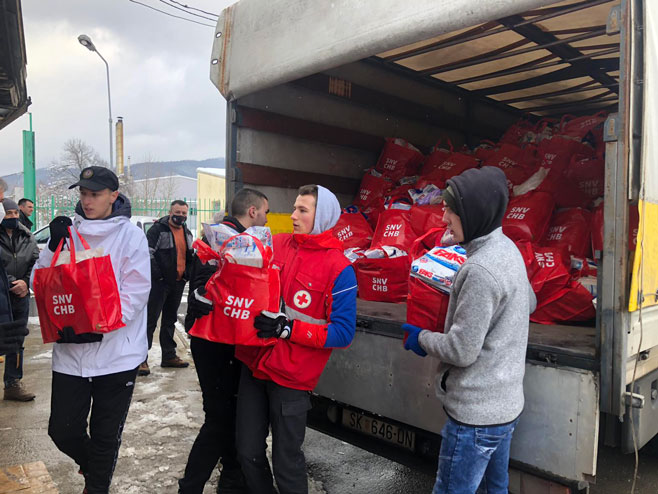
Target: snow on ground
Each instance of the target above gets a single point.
(47, 355)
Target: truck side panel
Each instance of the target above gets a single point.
(558, 430)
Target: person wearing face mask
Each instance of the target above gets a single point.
(318, 314)
(94, 374)
(172, 256)
(12, 333)
(18, 252)
(483, 349)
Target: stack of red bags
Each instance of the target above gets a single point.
(555, 171)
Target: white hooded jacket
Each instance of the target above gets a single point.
(127, 347)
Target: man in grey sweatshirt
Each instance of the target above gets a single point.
(482, 352)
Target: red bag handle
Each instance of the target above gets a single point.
(447, 140)
(71, 245)
(543, 123)
(204, 251)
(418, 245)
(266, 254)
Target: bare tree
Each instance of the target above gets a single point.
(78, 155)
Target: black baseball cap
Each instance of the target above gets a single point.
(97, 178)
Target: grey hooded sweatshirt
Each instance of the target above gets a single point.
(482, 353)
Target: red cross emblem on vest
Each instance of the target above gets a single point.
(302, 299)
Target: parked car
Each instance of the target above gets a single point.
(143, 222)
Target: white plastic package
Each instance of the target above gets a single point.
(239, 249)
(431, 194)
(384, 251)
(353, 253)
(439, 266)
(80, 255)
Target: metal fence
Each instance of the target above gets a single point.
(47, 208)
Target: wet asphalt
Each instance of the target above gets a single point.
(166, 414)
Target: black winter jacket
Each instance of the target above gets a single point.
(201, 273)
(18, 253)
(25, 220)
(162, 247)
(5, 300)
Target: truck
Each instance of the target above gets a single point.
(312, 91)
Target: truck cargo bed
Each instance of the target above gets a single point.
(556, 344)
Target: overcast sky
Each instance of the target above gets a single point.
(159, 75)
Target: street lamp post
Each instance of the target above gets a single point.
(87, 43)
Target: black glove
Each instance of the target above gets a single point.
(67, 335)
(59, 229)
(12, 335)
(273, 325)
(198, 305)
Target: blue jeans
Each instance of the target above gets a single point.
(472, 457)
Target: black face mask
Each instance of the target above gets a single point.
(10, 223)
(178, 220)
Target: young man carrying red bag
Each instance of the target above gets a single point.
(218, 369)
(318, 289)
(97, 371)
(482, 352)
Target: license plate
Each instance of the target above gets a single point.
(379, 429)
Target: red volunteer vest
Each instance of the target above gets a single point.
(309, 266)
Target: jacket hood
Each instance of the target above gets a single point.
(108, 226)
(481, 197)
(327, 211)
(121, 207)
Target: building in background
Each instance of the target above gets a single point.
(173, 186)
(210, 194)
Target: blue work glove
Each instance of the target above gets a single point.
(412, 340)
(273, 325)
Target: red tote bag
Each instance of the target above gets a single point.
(427, 307)
(353, 230)
(394, 229)
(570, 233)
(383, 280)
(398, 159)
(527, 216)
(372, 189)
(587, 174)
(83, 295)
(425, 218)
(454, 164)
(580, 126)
(239, 293)
(574, 305)
(436, 157)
